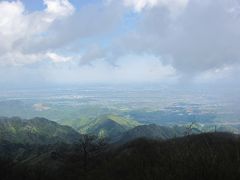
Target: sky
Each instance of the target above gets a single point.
(47, 42)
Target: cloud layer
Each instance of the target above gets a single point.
(125, 41)
(204, 36)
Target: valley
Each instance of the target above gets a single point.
(150, 104)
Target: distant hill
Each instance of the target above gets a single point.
(122, 129)
(35, 131)
(109, 126)
(153, 131)
(221, 128)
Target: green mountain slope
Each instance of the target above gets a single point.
(148, 131)
(108, 126)
(35, 131)
(153, 131)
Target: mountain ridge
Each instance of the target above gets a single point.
(35, 131)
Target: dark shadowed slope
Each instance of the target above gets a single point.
(205, 156)
(153, 131)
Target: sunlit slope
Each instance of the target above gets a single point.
(106, 125)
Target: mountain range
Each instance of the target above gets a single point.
(113, 128)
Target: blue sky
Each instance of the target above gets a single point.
(119, 41)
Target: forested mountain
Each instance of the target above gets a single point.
(42, 149)
(204, 156)
(35, 131)
(153, 131)
(107, 126)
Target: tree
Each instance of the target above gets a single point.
(91, 146)
(189, 129)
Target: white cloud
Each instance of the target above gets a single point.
(223, 75)
(56, 8)
(141, 69)
(201, 40)
(203, 37)
(17, 58)
(172, 5)
(20, 28)
(58, 58)
(93, 53)
(12, 24)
